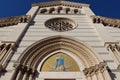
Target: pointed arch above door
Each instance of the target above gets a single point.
(28, 62)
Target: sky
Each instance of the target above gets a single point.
(107, 8)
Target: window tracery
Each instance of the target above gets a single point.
(60, 24)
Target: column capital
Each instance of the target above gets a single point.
(95, 69)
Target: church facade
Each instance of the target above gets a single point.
(59, 40)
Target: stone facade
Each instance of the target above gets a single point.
(70, 28)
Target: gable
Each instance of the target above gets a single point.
(62, 3)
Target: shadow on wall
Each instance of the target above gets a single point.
(113, 76)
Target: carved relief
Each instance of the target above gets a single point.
(60, 24)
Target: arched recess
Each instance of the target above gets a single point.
(27, 64)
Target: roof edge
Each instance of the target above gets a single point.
(55, 3)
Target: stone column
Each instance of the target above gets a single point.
(31, 77)
(106, 74)
(21, 73)
(97, 72)
(32, 74)
(93, 71)
(117, 50)
(6, 53)
(104, 71)
(3, 51)
(87, 74)
(100, 75)
(25, 73)
(16, 71)
(113, 50)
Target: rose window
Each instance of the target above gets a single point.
(60, 24)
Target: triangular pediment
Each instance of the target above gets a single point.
(62, 3)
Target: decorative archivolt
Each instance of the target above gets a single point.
(27, 64)
(6, 51)
(14, 20)
(60, 10)
(48, 45)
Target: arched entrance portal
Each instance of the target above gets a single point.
(30, 64)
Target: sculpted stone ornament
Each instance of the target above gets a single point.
(60, 24)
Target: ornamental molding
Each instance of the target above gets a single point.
(57, 3)
(10, 21)
(27, 64)
(112, 22)
(33, 55)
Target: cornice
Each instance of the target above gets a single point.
(57, 3)
(9, 21)
(112, 22)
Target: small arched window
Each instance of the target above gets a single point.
(67, 10)
(43, 11)
(75, 11)
(51, 10)
(59, 9)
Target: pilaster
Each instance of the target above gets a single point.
(6, 51)
(97, 72)
(114, 51)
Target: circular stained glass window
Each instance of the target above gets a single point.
(60, 24)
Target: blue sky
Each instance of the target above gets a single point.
(108, 8)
